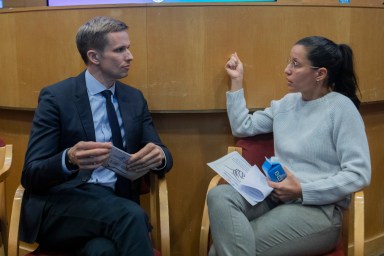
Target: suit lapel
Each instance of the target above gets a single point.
(83, 106)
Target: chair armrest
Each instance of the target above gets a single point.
(158, 203)
(164, 217)
(159, 212)
(7, 162)
(204, 231)
(13, 236)
(358, 222)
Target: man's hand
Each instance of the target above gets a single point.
(149, 157)
(89, 155)
(287, 190)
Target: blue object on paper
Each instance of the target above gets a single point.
(273, 170)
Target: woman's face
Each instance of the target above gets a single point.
(300, 74)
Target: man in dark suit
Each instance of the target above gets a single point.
(71, 201)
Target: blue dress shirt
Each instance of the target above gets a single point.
(103, 133)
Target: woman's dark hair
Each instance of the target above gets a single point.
(338, 60)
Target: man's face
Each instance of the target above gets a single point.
(115, 60)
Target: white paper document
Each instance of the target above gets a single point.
(248, 180)
(117, 162)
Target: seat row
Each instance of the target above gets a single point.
(254, 150)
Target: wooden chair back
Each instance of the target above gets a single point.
(5, 164)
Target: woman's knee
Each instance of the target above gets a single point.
(219, 194)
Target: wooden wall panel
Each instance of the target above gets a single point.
(373, 115)
(9, 74)
(23, 3)
(180, 50)
(176, 68)
(367, 44)
(40, 49)
(194, 74)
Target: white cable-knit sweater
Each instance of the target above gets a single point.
(322, 142)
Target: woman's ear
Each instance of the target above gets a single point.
(321, 74)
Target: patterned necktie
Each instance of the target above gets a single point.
(117, 140)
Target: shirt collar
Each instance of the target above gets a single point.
(94, 86)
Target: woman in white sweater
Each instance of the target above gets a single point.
(319, 139)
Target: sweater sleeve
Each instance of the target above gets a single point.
(243, 123)
(352, 151)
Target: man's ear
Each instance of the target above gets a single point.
(93, 57)
(321, 74)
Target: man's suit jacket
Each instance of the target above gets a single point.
(63, 118)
